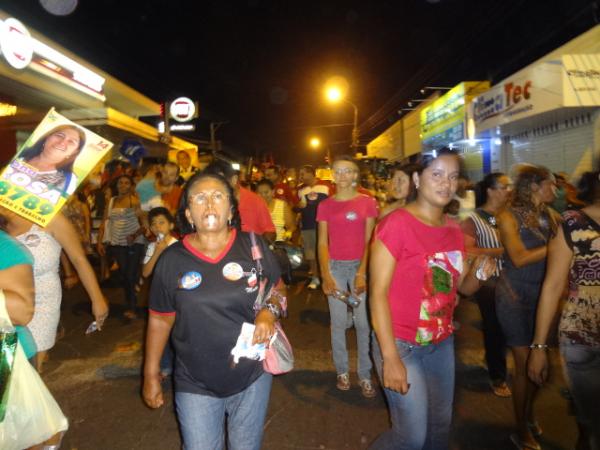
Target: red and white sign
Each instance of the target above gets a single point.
(182, 109)
(16, 43)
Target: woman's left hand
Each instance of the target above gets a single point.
(100, 311)
(264, 327)
(360, 284)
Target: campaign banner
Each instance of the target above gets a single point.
(49, 167)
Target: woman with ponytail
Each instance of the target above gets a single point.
(481, 238)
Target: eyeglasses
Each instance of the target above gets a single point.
(201, 198)
(346, 171)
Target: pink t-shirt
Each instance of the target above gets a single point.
(429, 261)
(346, 223)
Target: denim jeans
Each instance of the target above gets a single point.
(202, 418)
(421, 418)
(582, 364)
(344, 272)
(129, 260)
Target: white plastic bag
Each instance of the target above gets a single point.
(32, 414)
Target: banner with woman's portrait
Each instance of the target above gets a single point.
(49, 167)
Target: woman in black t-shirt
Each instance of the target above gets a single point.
(204, 289)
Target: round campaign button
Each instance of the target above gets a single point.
(351, 215)
(190, 280)
(32, 240)
(233, 271)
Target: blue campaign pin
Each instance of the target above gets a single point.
(190, 280)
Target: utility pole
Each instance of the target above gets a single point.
(214, 126)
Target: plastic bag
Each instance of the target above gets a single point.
(32, 414)
(279, 357)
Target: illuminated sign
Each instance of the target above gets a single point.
(444, 119)
(581, 80)
(16, 43)
(530, 91)
(24, 51)
(182, 109)
(6, 109)
(176, 127)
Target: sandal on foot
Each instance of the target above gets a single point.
(515, 439)
(501, 389)
(535, 428)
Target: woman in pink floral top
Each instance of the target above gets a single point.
(417, 266)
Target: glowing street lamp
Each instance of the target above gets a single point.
(335, 92)
(315, 142)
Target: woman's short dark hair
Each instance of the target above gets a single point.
(266, 182)
(182, 221)
(160, 211)
(490, 181)
(408, 169)
(427, 158)
(346, 158)
(589, 187)
(37, 148)
(223, 168)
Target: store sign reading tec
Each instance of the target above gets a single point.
(182, 109)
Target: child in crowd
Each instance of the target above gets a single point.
(161, 224)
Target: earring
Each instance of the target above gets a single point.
(229, 222)
(192, 225)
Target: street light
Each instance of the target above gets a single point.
(335, 91)
(314, 142)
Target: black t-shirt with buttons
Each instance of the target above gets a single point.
(211, 299)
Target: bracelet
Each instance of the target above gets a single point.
(273, 309)
(362, 275)
(538, 346)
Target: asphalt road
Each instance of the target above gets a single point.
(96, 380)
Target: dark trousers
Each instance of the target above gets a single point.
(129, 258)
(493, 339)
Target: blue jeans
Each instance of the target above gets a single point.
(421, 418)
(202, 418)
(582, 364)
(344, 272)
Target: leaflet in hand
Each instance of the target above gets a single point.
(244, 347)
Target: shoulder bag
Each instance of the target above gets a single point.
(279, 357)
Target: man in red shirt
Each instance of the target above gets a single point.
(254, 212)
(281, 190)
(166, 185)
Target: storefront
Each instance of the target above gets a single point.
(547, 113)
(444, 123)
(37, 74)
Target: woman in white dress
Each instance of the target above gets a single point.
(45, 244)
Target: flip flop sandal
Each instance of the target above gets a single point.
(514, 438)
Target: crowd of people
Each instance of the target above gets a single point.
(392, 252)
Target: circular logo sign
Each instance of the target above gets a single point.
(182, 109)
(16, 43)
(233, 271)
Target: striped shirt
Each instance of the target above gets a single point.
(486, 233)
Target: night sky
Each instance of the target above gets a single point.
(261, 65)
